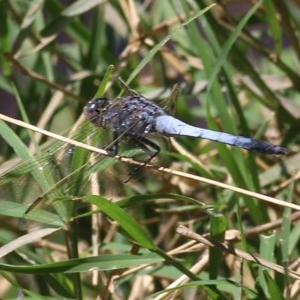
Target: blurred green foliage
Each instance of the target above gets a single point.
(238, 64)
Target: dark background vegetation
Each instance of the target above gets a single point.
(238, 65)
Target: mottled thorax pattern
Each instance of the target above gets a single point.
(132, 115)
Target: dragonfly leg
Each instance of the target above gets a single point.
(144, 144)
(113, 148)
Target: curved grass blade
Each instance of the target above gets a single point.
(158, 46)
(107, 262)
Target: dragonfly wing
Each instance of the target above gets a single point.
(168, 125)
(170, 103)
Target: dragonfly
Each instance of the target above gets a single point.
(134, 117)
(131, 117)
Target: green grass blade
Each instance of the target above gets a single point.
(132, 228)
(159, 45)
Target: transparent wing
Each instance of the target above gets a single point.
(61, 172)
(170, 103)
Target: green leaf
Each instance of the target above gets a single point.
(217, 233)
(14, 141)
(228, 45)
(275, 25)
(159, 45)
(25, 240)
(267, 246)
(127, 223)
(18, 210)
(105, 262)
(272, 287)
(80, 6)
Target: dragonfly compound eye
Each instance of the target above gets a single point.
(96, 105)
(94, 109)
(100, 103)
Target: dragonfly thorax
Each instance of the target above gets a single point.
(132, 115)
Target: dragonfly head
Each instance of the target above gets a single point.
(95, 108)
